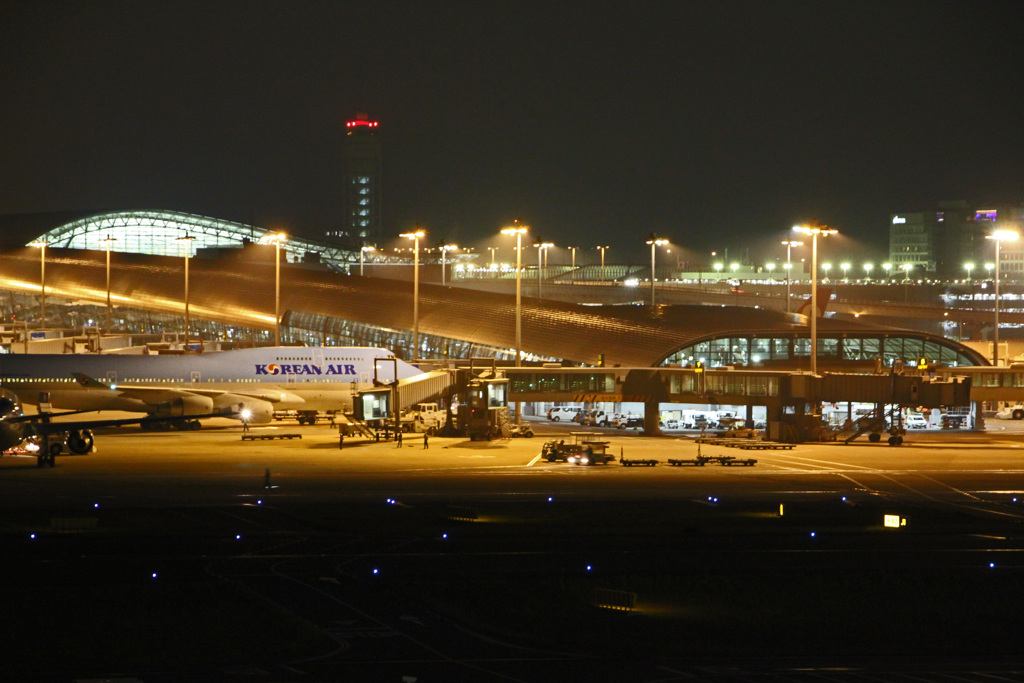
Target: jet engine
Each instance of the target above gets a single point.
(251, 410)
(185, 406)
(79, 441)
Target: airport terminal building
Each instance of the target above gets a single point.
(233, 286)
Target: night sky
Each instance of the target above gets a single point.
(718, 124)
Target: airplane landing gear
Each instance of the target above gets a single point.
(48, 455)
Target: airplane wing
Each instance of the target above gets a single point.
(154, 395)
(41, 424)
(45, 416)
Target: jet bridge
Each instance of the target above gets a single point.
(429, 386)
(383, 404)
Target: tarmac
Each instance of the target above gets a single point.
(198, 555)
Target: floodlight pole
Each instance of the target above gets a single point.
(995, 330)
(277, 292)
(518, 230)
(362, 254)
(445, 248)
(813, 229)
(415, 236)
(997, 237)
(109, 240)
(654, 241)
(789, 268)
(42, 281)
(187, 239)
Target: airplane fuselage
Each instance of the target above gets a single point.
(285, 378)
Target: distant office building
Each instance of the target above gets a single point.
(911, 242)
(950, 242)
(361, 192)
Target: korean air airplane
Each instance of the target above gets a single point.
(248, 383)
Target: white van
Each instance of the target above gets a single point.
(563, 413)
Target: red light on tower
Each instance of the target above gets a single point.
(361, 120)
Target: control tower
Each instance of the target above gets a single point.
(361, 194)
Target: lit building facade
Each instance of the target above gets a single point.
(950, 242)
(910, 242)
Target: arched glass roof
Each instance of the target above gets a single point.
(784, 348)
(160, 232)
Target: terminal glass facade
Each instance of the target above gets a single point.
(160, 233)
(744, 351)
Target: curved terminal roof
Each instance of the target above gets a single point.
(160, 233)
(243, 294)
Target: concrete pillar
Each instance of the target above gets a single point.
(652, 413)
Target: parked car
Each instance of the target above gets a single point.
(563, 413)
(916, 421)
(630, 422)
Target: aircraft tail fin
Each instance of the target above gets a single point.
(824, 297)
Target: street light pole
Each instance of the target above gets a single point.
(187, 239)
(813, 229)
(573, 271)
(109, 240)
(542, 248)
(362, 254)
(789, 267)
(42, 281)
(602, 262)
(997, 237)
(518, 230)
(655, 242)
(445, 248)
(277, 239)
(415, 236)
